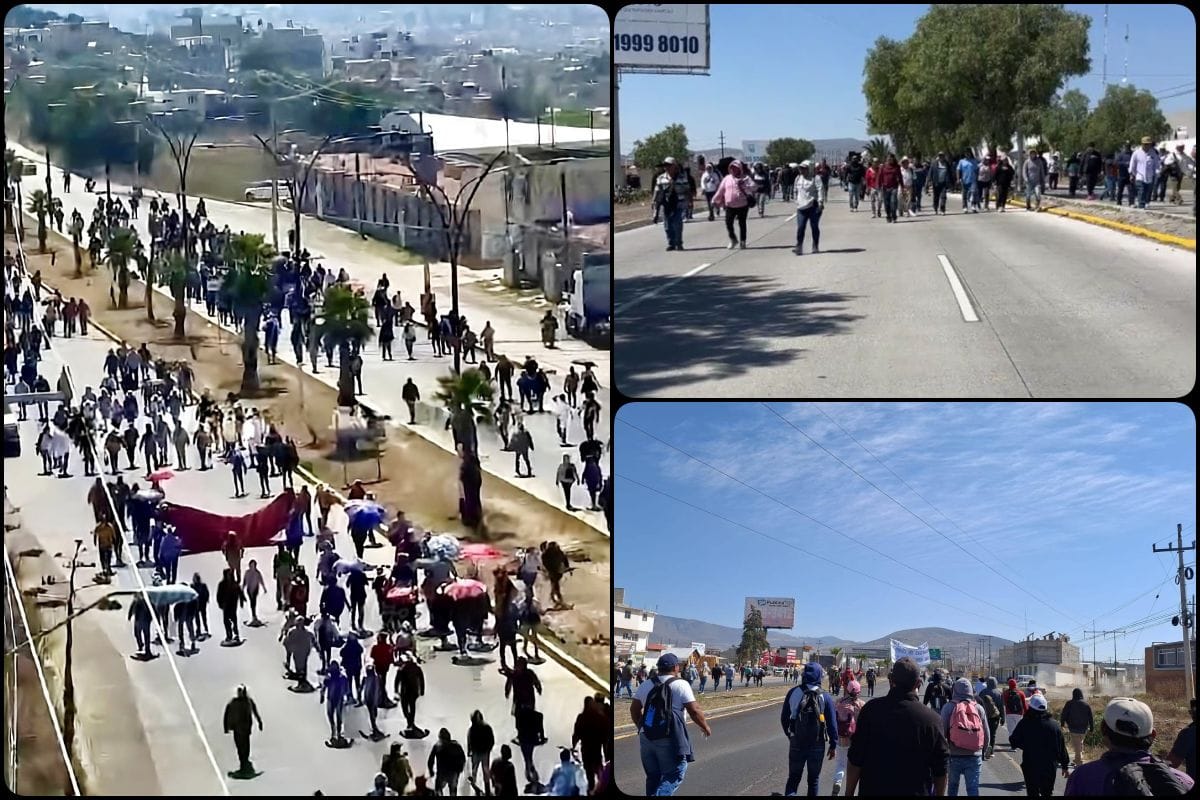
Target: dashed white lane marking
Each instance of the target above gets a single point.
(655, 292)
(960, 294)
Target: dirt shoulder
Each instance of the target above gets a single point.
(627, 216)
(417, 475)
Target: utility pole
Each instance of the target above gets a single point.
(1104, 71)
(274, 178)
(69, 710)
(358, 195)
(722, 140)
(1125, 77)
(1185, 621)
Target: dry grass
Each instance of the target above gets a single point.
(1170, 717)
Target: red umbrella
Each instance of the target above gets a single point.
(481, 552)
(466, 588)
(161, 475)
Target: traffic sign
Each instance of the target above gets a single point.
(935, 654)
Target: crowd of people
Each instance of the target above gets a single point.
(903, 743)
(139, 407)
(897, 185)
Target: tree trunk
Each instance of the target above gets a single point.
(462, 426)
(41, 233)
(250, 323)
(148, 279)
(179, 290)
(345, 377)
(78, 255)
(123, 286)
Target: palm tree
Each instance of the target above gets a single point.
(835, 652)
(122, 248)
(76, 230)
(39, 205)
(175, 269)
(468, 398)
(877, 148)
(248, 280)
(344, 319)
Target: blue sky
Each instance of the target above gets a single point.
(796, 70)
(1063, 499)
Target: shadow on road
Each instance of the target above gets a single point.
(1010, 786)
(717, 325)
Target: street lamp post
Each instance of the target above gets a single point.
(69, 710)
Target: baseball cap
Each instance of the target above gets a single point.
(1129, 717)
(793, 165)
(669, 160)
(667, 662)
(805, 163)
(1147, 140)
(1038, 702)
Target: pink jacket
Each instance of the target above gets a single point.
(729, 195)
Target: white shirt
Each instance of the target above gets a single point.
(808, 191)
(1143, 166)
(680, 691)
(710, 181)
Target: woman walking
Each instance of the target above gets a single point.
(810, 203)
(735, 195)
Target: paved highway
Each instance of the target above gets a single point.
(1063, 309)
(516, 325)
(171, 708)
(747, 757)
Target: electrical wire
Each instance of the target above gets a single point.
(888, 583)
(811, 518)
(914, 514)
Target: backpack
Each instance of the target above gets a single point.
(1012, 703)
(658, 721)
(807, 725)
(1152, 779)
(1094, 162)
(847, 719)
(966, 728)
(989, 706)
(938, 695)
(985, 172)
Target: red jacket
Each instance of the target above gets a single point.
(889, 176)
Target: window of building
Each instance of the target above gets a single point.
(628, 615)
(1168, 657)
(192, 101)
(645, 617)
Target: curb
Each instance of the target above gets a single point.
(564, 660)
(1145, 233)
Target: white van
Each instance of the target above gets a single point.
(261, 190)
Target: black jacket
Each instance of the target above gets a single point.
(1077, 716)
(899, 746)
(1041, 742)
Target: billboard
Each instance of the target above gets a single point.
(777, 612)
(662, 37)
(754, 150)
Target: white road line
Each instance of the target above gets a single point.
(960, 294)
(661, 289)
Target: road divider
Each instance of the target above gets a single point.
(1124, 227)
(960, 293)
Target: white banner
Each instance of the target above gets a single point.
(919, 654)
(777, 612)
(662, 36)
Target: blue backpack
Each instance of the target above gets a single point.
(658, 720)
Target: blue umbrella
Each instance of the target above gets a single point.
(365, 513)
(170, 594)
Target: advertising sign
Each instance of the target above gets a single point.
(777, 612)
(698, 647)
(623, 647)
(662, 37)
(754, 150)
(919, 654)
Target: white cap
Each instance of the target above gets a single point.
(1038, 702)
(669, 160)
(793, 165)
(804, 164)
(1129, 717)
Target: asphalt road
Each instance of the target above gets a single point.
(747, 756)
(180, 700)
(1064, 309)
(516, 325)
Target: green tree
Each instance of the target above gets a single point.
(248, 281)
(467, 397)
(835, 652)
(878, 148)
(39, 206)
(122, 248)
(173, 270)
(788, 150)
(344, 318)
(1063, 125)
(754, 638)
(670, 141)
(1125, 114)
(972, 73)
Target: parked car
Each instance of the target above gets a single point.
(261, 190)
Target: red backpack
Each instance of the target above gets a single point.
(966, 727)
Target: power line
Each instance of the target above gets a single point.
(809, 517)
(840, 565)
(906, 508)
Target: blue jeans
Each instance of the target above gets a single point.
(663, 765)
(673, 221)
(805, 217)
(798, 760)
(968, 767)
(1110, 188)
(1144, 190)
(703, 681)
(729, 683)
(889, 203)
(969, 196)
(854, 188)
(625, 685)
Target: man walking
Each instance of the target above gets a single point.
(1077, 718)
(240, 712)
(992, 704)
(1015, 705)
(1143, 170)
(1042, 747)
(810, 724)
(673, 193)
(1127, 767)
(898, 747)
(657, 713)
(964, 724)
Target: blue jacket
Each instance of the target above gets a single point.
(170, 548)
(791, 705)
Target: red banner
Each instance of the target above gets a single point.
(204, 532)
